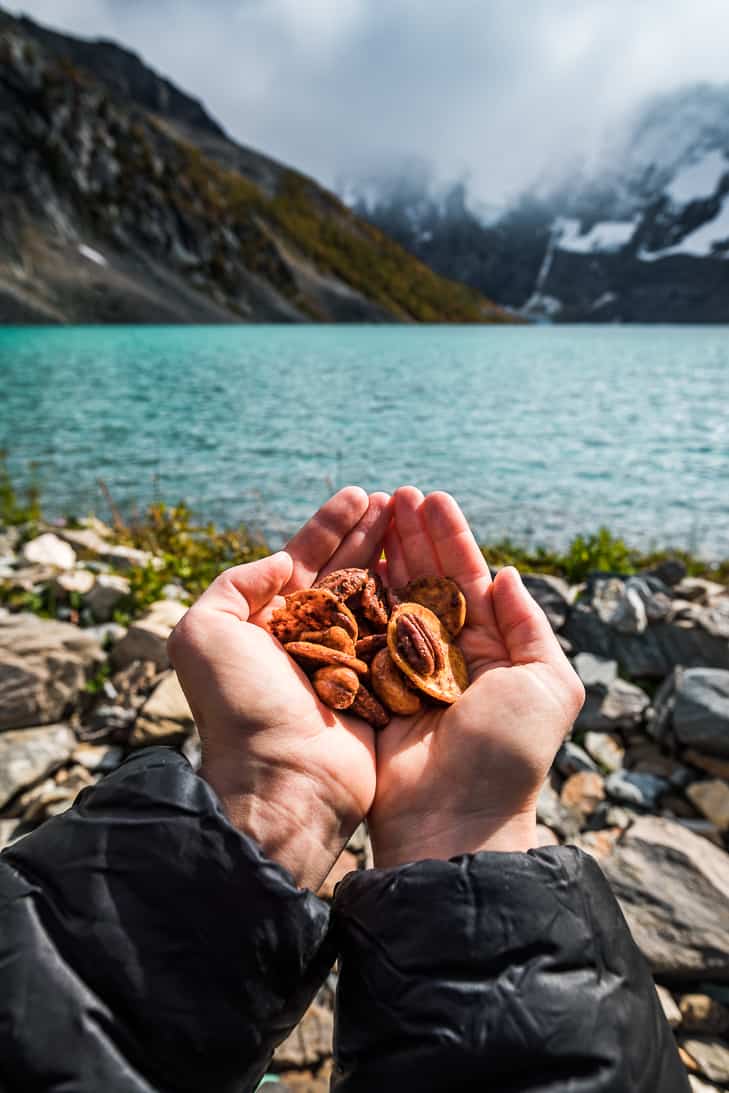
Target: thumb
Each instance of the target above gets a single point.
(523, 626)
(245, 589)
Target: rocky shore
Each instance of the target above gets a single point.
(643, 783)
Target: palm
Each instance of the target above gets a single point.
(478, 757)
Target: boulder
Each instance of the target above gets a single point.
(552, 595)
(43, 666)
(673, 887)
(49, 550)
(652, 654)
(164, 716)
(310, 1042)
(712, 800)
(701, 710)
(27, 755)
(73, 582)
(708, 763)
(619, 706)
(89, 542)
(106, 594)
(146, 638)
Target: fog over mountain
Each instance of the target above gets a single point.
(497, 94)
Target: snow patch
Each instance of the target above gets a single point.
(701, 242)
(699, 180)
(608, 235)
(541, 305)
(604, 300)
(92, 255)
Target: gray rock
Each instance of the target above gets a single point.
(668, 1005)
(552, 595)
(73, 581)
(553, 814)
(49, 550)
(699, 590)
(701, 710)
(618, 605)
(595, 671)
(106, 594)
(620, 706)
(106, 632)
(164, 716)
(7, 830)
(571, 758)
(652, 654)
(27, 755)
(607, 750)
(711, 1055)
(673, 887)
(146, 638)
(669, 572)
(43, 666)
(631, 788)
(711, 798)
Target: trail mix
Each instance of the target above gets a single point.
(373, 650)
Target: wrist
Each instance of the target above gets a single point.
(292, 819)
(444, 837)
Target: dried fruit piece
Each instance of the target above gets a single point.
(334, 638)
(344, 582)
(392, 687)
(372, 606)
(368, 707)
(310, 609)
(336, 687)
(448, 678)
(443, 597)
(366, 647)
(310, 655)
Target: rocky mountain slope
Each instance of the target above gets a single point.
(642, 235)
(122, 200)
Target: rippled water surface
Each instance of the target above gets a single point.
(540, 432)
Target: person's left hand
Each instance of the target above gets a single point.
(292, 773)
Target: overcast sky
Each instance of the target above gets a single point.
(492, 90)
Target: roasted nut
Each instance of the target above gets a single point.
(344, 582)
(334, 638)
(366, 648)
(372, 606)
(448, 678)
(336, 687)
(418, 645)
(310, 655)
(367, 706)
(443, 597)
(310, 609)
(392, 687)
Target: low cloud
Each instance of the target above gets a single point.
(492, 91)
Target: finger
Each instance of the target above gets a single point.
(420, 557)
(397, 570)
(459, 555)
(322, 535)
(363, 546)
(523, 626)
(246, 589)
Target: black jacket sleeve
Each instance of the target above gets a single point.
(498, 972)
(145, 945)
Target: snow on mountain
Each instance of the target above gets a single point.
(698, 180)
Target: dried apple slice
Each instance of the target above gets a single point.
(311, 609)
(443, 597)
(309, 655)
(334, 638)
(418, 643)
(392, 687)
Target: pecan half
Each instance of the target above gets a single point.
(417, 646)
(336, 687)
(344, 582)
(366, 647)
(372, 606)
(367, 706)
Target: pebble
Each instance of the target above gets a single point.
(48, 549)
(712, 800)
(606, 749)
(595, 671)
(711, 1057)
(668, 1005)
(571, 758)
(583, 792)
(632, 788)
(700, 1013)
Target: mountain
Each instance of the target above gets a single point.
(641, 235)
(122, 200)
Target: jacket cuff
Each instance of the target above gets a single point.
(201, 953)
(513, 970)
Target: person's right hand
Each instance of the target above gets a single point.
(466, 777)
(292, 773)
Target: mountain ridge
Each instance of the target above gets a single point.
(123, 200)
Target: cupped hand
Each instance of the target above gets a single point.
(291, 772)
(466, 777)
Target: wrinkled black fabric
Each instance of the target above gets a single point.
(146, 945)
(498, 973)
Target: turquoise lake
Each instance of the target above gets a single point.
(540, 432)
